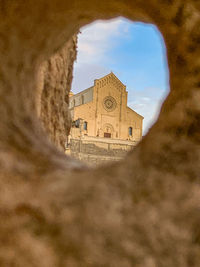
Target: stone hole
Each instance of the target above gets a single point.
(141, 211)
(135, 52)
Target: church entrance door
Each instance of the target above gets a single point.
(107, 135)
(108, 130)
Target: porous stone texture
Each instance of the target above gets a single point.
(142, 211)
(54, 82)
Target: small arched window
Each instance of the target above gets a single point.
(130, 131)
(77, 123)
(85, 125)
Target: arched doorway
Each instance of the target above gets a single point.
(108, 130)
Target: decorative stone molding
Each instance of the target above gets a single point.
(109, 103)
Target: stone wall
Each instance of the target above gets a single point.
(55, 76)
(54, 211)
(96, 151)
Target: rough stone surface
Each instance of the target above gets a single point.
(143, 211)
(54, 82)
(96, 151)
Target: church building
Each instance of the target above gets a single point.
(100, 114)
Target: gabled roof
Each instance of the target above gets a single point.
(135, 112)
(81, 92)
(111, 74)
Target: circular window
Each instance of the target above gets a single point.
(109, 103)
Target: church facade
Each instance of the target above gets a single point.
(100, 113)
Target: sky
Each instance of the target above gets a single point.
(135, 53)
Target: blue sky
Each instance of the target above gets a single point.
(135, 52)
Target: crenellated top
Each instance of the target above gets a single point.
(110, 79)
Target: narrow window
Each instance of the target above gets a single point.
(85, 125)
(82, 99)
(130, 131)
(77, 123)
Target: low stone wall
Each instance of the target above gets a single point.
(95, 151)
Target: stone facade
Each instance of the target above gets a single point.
(101, 116)
(104, 108)
(142, 211)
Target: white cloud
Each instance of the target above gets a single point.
(94, 43)
(96, 40)
(86, 74)
(147, 103)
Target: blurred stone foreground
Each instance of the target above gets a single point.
(142, 211)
